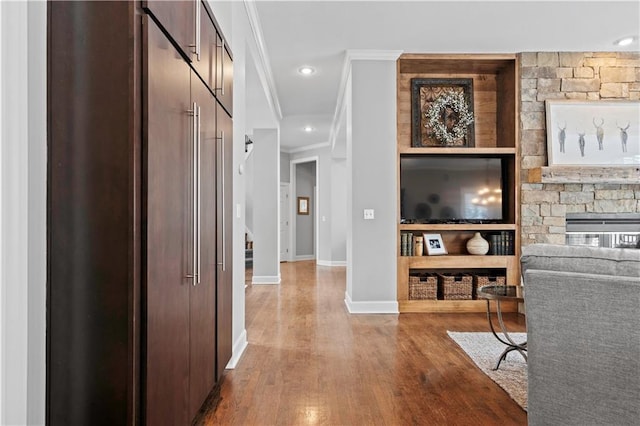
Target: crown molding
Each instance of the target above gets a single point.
(263, 65)
(305, 148)
(355, 55)
(373, 55)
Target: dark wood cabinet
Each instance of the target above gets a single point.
(178, 20)
(193, 30)
(166, 289)
(203, 295)
(206, 63)
(139, 222)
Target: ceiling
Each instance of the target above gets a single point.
(318, 33)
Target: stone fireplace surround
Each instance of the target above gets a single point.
(569, 75)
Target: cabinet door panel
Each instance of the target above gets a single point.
(225, 247)
(178, 19)
(224, 77)
(167, 154)
(203, 296)
(206, 66)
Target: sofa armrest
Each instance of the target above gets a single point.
(583, 347)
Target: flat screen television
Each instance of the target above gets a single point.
(451, 189)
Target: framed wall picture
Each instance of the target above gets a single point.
(442, 112)
(303, 205)
(592, 133)
(433, 244)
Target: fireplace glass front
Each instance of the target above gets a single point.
(603, 230)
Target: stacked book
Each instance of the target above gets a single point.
(407, 244)
(501, 244)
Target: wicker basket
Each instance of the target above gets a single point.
(482, 280)
(423, 287)
(456, 287)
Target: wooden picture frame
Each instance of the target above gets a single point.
(593, 133)
(424, 91)
(303, 205)
(434, 245)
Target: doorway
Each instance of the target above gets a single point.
(304, 223)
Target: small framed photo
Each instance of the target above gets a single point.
(434, 244)
(303, 205)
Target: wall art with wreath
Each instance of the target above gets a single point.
(442, 112)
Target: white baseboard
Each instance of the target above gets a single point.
(377, 307)
(304, 257)
(332, 262)
(265, 279)
(238, 349)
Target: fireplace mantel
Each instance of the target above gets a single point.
(579, 174)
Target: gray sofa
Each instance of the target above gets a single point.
(583, 323)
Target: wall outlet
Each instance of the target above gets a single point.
(368, 214)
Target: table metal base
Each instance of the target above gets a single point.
(509, 342)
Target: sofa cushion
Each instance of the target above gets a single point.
(589, 260)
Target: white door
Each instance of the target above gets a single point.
(284, 222)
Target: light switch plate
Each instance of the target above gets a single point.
(368, 214)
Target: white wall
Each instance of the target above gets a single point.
(371, 153)
(338, 211)
(266, 219)
(285, 167)
(235, 26)
(23, 212)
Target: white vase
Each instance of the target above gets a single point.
(477, 245)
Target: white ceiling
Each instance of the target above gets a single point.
(318, 33)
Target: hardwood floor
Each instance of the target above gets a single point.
(310, 362)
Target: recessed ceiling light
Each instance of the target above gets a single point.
(308, 129)
(624, 41)
(306, 70)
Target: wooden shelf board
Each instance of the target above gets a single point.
(456, 227)
(451, 306)
(457, 261)
(580, 174)
(467, 151)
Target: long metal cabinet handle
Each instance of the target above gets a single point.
(222, 72)
(195, 128)
(198, 199)
(221, 88)
(220, 168)
(197, 27)
(195, 254)
(224, 230)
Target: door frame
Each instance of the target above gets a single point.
(289, 207)
(292, 228)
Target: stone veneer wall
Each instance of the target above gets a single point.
(560, 75)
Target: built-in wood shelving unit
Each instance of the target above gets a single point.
(496, 112)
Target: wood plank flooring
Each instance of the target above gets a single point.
(309, 362)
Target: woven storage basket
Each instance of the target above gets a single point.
(423, 287)
(482, 280)
(456, 287)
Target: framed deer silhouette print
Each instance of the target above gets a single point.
(592, 133)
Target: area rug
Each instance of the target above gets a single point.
(484, 350)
